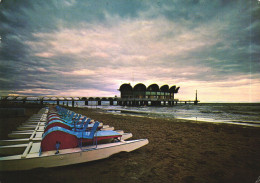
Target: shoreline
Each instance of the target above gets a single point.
(178, 151)
(125, 112)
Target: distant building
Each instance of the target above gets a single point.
(140, 91)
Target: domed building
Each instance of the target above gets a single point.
(151, 95)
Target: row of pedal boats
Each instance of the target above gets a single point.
(57, 137)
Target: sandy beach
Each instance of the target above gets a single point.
(178, 151)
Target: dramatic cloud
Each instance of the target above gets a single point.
(90, 48)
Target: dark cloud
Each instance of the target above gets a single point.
(64, 46)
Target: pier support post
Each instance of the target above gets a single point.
(58, 102)
(146, 103)
(86, 102)
(73, 103)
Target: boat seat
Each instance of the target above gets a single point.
(92, 132)
(83, 126)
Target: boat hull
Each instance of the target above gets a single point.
(68, 156)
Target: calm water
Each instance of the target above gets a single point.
(234, 113)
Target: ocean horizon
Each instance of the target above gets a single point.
(231, 113)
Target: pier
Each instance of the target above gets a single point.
(139, 95)
(60, 100)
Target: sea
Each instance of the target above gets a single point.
(231, 113)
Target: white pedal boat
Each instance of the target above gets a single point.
(32, 158)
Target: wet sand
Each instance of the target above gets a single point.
(178, 151)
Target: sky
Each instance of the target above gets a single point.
(90, 47)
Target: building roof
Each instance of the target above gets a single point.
(140, 87)
(125, 87)
(153, 87)
(165, 88)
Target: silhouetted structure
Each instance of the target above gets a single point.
(151, 95)
(196, 99)
(139, 95)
